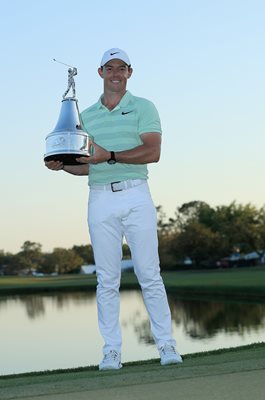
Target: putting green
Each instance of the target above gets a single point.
(225, 374)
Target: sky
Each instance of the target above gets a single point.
(200, 62)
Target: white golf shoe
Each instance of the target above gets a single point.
(169, 355)
(111, 360)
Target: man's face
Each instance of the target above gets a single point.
(115, 74)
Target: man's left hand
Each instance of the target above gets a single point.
(99, 155)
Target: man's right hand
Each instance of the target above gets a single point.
(54, 165)
(79, 169)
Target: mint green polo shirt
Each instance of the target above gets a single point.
(117, 130)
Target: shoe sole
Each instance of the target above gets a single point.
(109, 368)
(169, 362)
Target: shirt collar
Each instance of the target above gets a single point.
(123, 102)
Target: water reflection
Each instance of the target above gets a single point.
(35, 304)
(203, 319)
(141, 327)
(61, 329)
(199, 318)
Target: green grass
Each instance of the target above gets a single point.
(244, 283)
(18, 284)
(239, 282)
(148, 380)
(258, 347)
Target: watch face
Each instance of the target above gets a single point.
(111, 161)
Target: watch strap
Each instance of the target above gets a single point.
(112, 156)
(112, 159)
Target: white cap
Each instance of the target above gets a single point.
(115, 53)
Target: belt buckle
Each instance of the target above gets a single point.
(112, 187)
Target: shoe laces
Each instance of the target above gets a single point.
(112, 355)
(168, 349)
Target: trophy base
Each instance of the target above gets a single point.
(66, 159)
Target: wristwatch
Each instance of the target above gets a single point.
(112, 159)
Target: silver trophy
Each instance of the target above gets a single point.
(67, 141)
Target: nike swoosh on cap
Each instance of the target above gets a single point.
(126, 112)
(112, 54)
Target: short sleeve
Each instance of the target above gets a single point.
(149, 120)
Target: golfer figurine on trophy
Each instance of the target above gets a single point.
(71, 82)
(67, 141)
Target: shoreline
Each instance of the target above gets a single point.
(224, 294)
(150, 362)
(215, 375)
(244, 282)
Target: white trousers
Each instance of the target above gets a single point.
(111, 217)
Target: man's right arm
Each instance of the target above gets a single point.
(79, 170)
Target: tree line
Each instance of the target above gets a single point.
(207, 235)
(60, 261)
(202, 234)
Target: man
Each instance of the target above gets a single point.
(126, 136)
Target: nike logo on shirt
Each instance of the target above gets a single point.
(127, 112)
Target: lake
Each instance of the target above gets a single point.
(60, 330)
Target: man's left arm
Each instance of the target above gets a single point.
(147, 152)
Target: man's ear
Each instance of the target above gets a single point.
(100, 72)
(130, 71)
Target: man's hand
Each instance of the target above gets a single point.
(54, 165)
(80, 170)
(99, 155)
